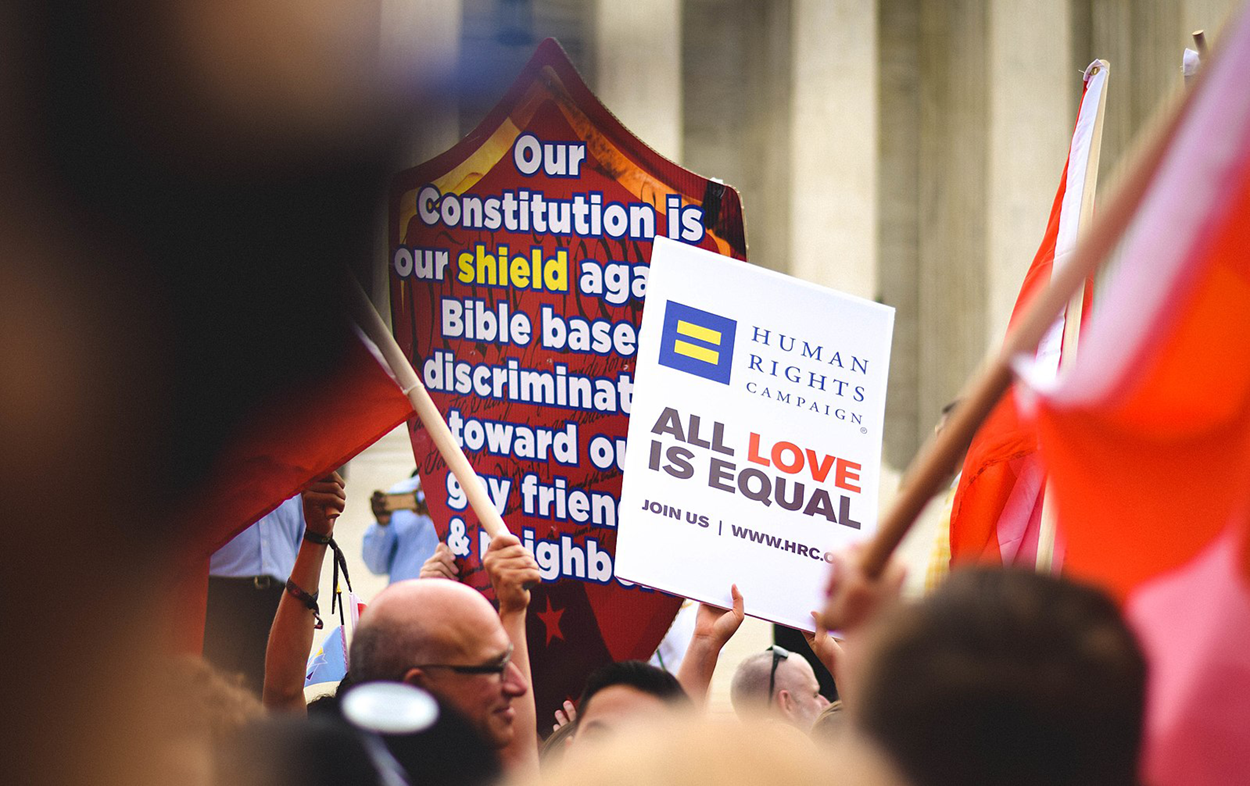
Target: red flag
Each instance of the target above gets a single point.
(299, 434)
(997, 509)
(1147, 435)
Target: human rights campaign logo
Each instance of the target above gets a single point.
(697, 342)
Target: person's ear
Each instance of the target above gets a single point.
(785, 702)
(414, 677)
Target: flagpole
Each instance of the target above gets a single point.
(1073, 315)
(369, 321)
(936, 460)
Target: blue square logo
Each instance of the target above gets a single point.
(697, 342)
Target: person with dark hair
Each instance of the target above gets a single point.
(625, 693)
(1001, 676)
(426, 741)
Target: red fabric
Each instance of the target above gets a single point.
(1146, 480)
(1148, 438)
(1004, 445)
(303, 434)
(1198, 705)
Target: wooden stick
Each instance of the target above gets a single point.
(1200, 43)
(936, 460)
(371, 323)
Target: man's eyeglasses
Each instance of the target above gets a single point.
(779, 654)
(495, 666)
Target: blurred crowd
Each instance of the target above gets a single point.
(999, 676)
(155, 154)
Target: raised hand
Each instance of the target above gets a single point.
(828, 650)
(565, 715)
(323, 503)
(854, 597)
(719, 625)
(512, 570)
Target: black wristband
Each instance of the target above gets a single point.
(317, 537)
(308, 600)
(340, 563)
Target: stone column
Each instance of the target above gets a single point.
(833, 145)
(1031, 116)
(638, 68)
(420, 46)
(736, 111)
(953, 182)
(898, 218)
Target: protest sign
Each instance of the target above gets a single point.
(518, 271)
(755, 437)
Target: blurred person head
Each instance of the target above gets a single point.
(626, 693)
(447, 639)
(780, 684)
(298, 752)
(1003, 676)
(426, 740)
(203, 701)
(683, 750)
(185, 180)
(829, 723)
(552, 749)
(198, 710)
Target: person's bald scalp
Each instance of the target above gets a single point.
(417, 621)
(791, 675)
(749, 690)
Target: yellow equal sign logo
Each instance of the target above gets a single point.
(698, 333)
(697, 342)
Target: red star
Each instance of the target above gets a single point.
(551, 621)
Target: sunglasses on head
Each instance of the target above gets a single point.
(779, 654)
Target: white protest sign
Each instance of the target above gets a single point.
(754, 435)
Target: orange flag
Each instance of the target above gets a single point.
(997, 508)
(1147, 435)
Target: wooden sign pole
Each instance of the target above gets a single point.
(369, 321)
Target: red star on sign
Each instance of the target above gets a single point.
(551, 621)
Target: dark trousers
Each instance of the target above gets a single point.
(236, 627)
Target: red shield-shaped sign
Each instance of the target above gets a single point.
(518, 270)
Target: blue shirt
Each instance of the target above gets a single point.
(267, 548)
(401, 547)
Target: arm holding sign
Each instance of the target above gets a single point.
(512, 569)
(828, 650)
(855, 596)
(713, 627)
(290, 638)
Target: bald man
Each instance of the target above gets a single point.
(780, 684)
(447, 638)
